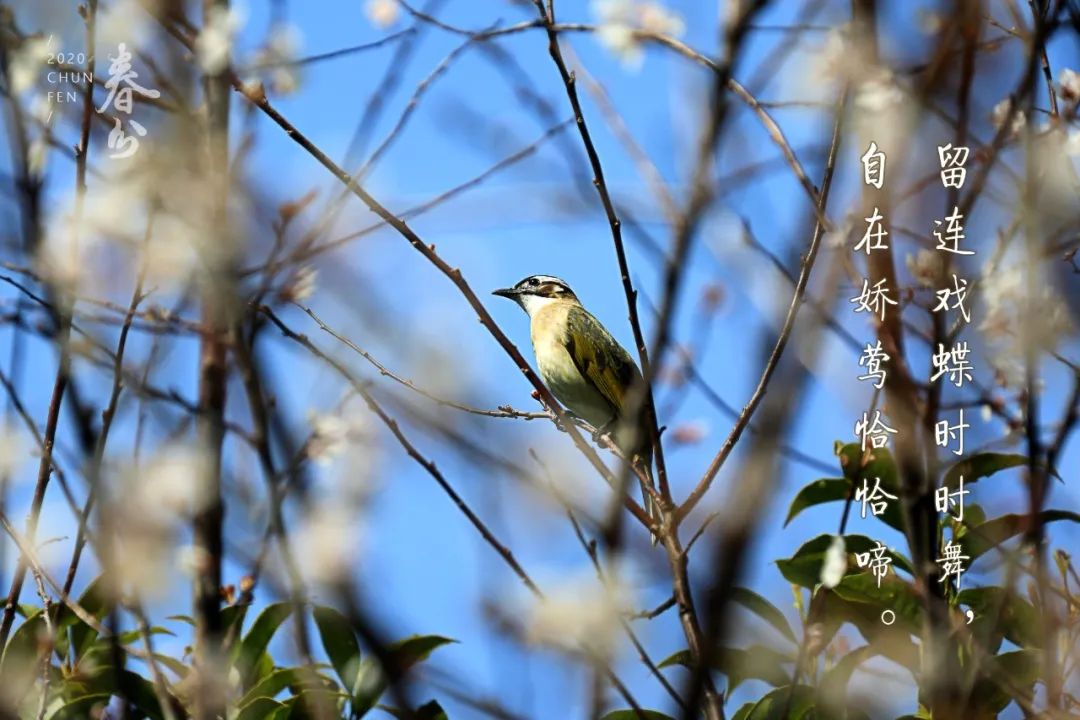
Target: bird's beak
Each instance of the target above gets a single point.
(510, 293)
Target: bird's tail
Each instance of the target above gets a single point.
(651, 508)
(636, 446)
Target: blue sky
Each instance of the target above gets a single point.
(422, 567)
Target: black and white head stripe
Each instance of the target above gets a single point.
(544, 286)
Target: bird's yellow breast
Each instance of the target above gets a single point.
(548, 329)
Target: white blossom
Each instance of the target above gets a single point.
(169, 256)
(173, 484)
(930, 22)
(620, 40)
(1069, 85)
(1005, 317)
(878, 93)
(36, 157)
(302, 284)
(1001, 112)
(328, 540)
(656, 18)
(382, 13)
(329, 438)
(1072, 143)
(12, 451)
(27, 64)
(214, 42)
(620, 21)
(835, 563)
(581, 614)
(276, 60)
(191, 560)
(41, 109)
(159, 499)
(346, 436)
(924, 266)
(121, 21)
(836, 238)
(829, 61)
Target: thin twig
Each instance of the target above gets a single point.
(410, 449)
(501, 412)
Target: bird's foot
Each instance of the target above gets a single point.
(571, 418)
(603, 433)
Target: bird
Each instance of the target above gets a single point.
(585, 368)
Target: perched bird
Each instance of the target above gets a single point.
(584, 367)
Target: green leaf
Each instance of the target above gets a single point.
(79, 708)
(417, 648)
(764, 609)
(757, 662)
(634, 715)
(371, 682)
(232, 622)
(978, 540)
(974, 516)
(870, 466)
(133, 636)
(430, 710)
(182, 618)
(18, 667)
(178, 668)
(315, 703)
(893, 594)
(339, 642)
(804, 567)
(743, 712)
(262, 668)
(921, 714)
(22, 649)
(682, 657)
(832, 691)
(783, 703)
(259, 709)
(94, 600)
(891, 641)
(980, 466)
(1008, 676)
(139, 690)
(281, 678)
(1001, 614)
(820, 491)
(254, 644)
(873, 463)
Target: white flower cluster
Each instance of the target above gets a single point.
(157, 501)
(1000, 114)
(275, 62)
(214, 43)
(620, 24)
(878, 93)
(1069, 86)
(581, 614)
(925, 266)
(1005, 294)
(835, 563)
(26, 64)
(382, 13)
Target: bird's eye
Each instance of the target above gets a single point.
(534, 282)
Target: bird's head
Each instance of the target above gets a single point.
(537, 291)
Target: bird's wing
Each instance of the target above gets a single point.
(603, 363)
